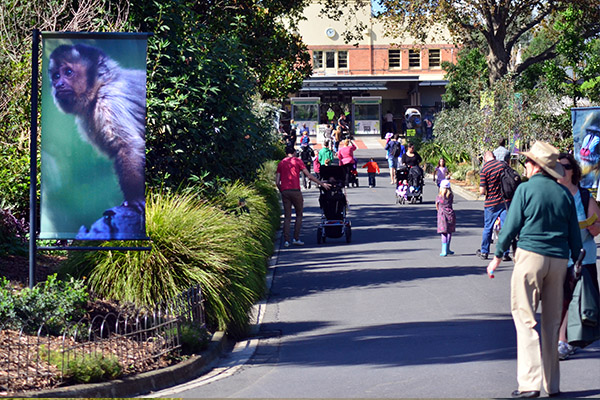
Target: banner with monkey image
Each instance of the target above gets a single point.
(586, 143)
(93, 136)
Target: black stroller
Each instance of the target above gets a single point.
(409, 184)
(334, 222)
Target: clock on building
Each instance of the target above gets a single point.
(330, 32)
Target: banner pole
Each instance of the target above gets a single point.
(33, 158)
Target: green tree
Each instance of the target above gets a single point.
(501, 24)
(466, 79)
(578, 59)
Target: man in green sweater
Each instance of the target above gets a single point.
(543, 215)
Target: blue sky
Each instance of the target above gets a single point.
(376, 7)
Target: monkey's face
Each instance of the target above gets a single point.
(69, 85)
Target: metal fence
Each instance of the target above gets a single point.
(137, 339)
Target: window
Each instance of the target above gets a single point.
(342, 59)
(394, 58)
(435, 58)
(414, 58)
(330, 59)
(317, 59)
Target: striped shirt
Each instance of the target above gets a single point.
(490, 178)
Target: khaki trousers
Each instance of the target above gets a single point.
(291, 198)
(537, 278)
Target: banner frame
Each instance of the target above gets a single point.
(33, 228)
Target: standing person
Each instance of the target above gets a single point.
(372, 169)
(337, 138)
(346, 157)
(441, 172)
(326, 155)
(287, 179)
(494, 206)
(446, 218)
(306, 155)
(501, 152)
(388, 118)
(328, 135)
(585, 208)
(390, 147)
(343, 125)
(305, 139)
(411, 158)
(543, 215)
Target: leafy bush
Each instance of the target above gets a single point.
(53, 303)
(89, 368)
(194, 338)
(193, 242)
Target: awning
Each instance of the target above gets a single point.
(342, 86)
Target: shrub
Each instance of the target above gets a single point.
(194, 338)
(192, 242)
(13, 234)
(53, 303)
(88, 368)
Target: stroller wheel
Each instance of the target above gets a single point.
(348, 233)
(319, 235)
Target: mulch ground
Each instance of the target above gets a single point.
(16, 268)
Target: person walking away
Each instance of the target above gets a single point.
(346, 157)
(326, 155)
(317, 166)
(292, 137)
(337, 138)
(372, 170)
(446, 218)
(494, 207)
(306, 155)
(588, 229)
(441, 172)
(501, 152)
(543, 215)
(287, 179)
(390, 147)
(328, 135)
(343, 126)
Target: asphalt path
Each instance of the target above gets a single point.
(385, 316)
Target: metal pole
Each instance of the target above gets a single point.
(33, 158)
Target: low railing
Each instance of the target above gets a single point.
(138, 339)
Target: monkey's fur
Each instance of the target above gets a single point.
(109, 104)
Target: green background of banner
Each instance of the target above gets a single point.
(77, 182)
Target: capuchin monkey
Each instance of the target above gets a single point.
(109, 104)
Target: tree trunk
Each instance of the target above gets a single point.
(497, 61)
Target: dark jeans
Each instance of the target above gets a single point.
(371, 178)
(490, 214)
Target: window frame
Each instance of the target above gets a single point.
(411, 58)
(321, 64)
(345, 61)
(397, 52)
(439, 58)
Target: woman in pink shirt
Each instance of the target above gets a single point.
(346, 157)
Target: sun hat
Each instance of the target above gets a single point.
(389, 135)
(546, 156)
(445, 183)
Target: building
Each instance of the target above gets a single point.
(369, 79)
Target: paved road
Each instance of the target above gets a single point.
(385, 316)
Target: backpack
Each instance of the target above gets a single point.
(509, 180)
(396, 149)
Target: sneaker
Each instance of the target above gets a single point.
(298, 242)
(506, 257)
(565, 350)
(483, 256)
(286, 244)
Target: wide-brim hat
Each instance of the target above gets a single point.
(445, 183)
(546, 156)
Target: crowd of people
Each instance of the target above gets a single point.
(545, 223)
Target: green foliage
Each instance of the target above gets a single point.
(431, 152)
(88, 368)
(578, 61)
(194, 338)
(193, 241)
(521, 118)
(466, 79)
(53, 303)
